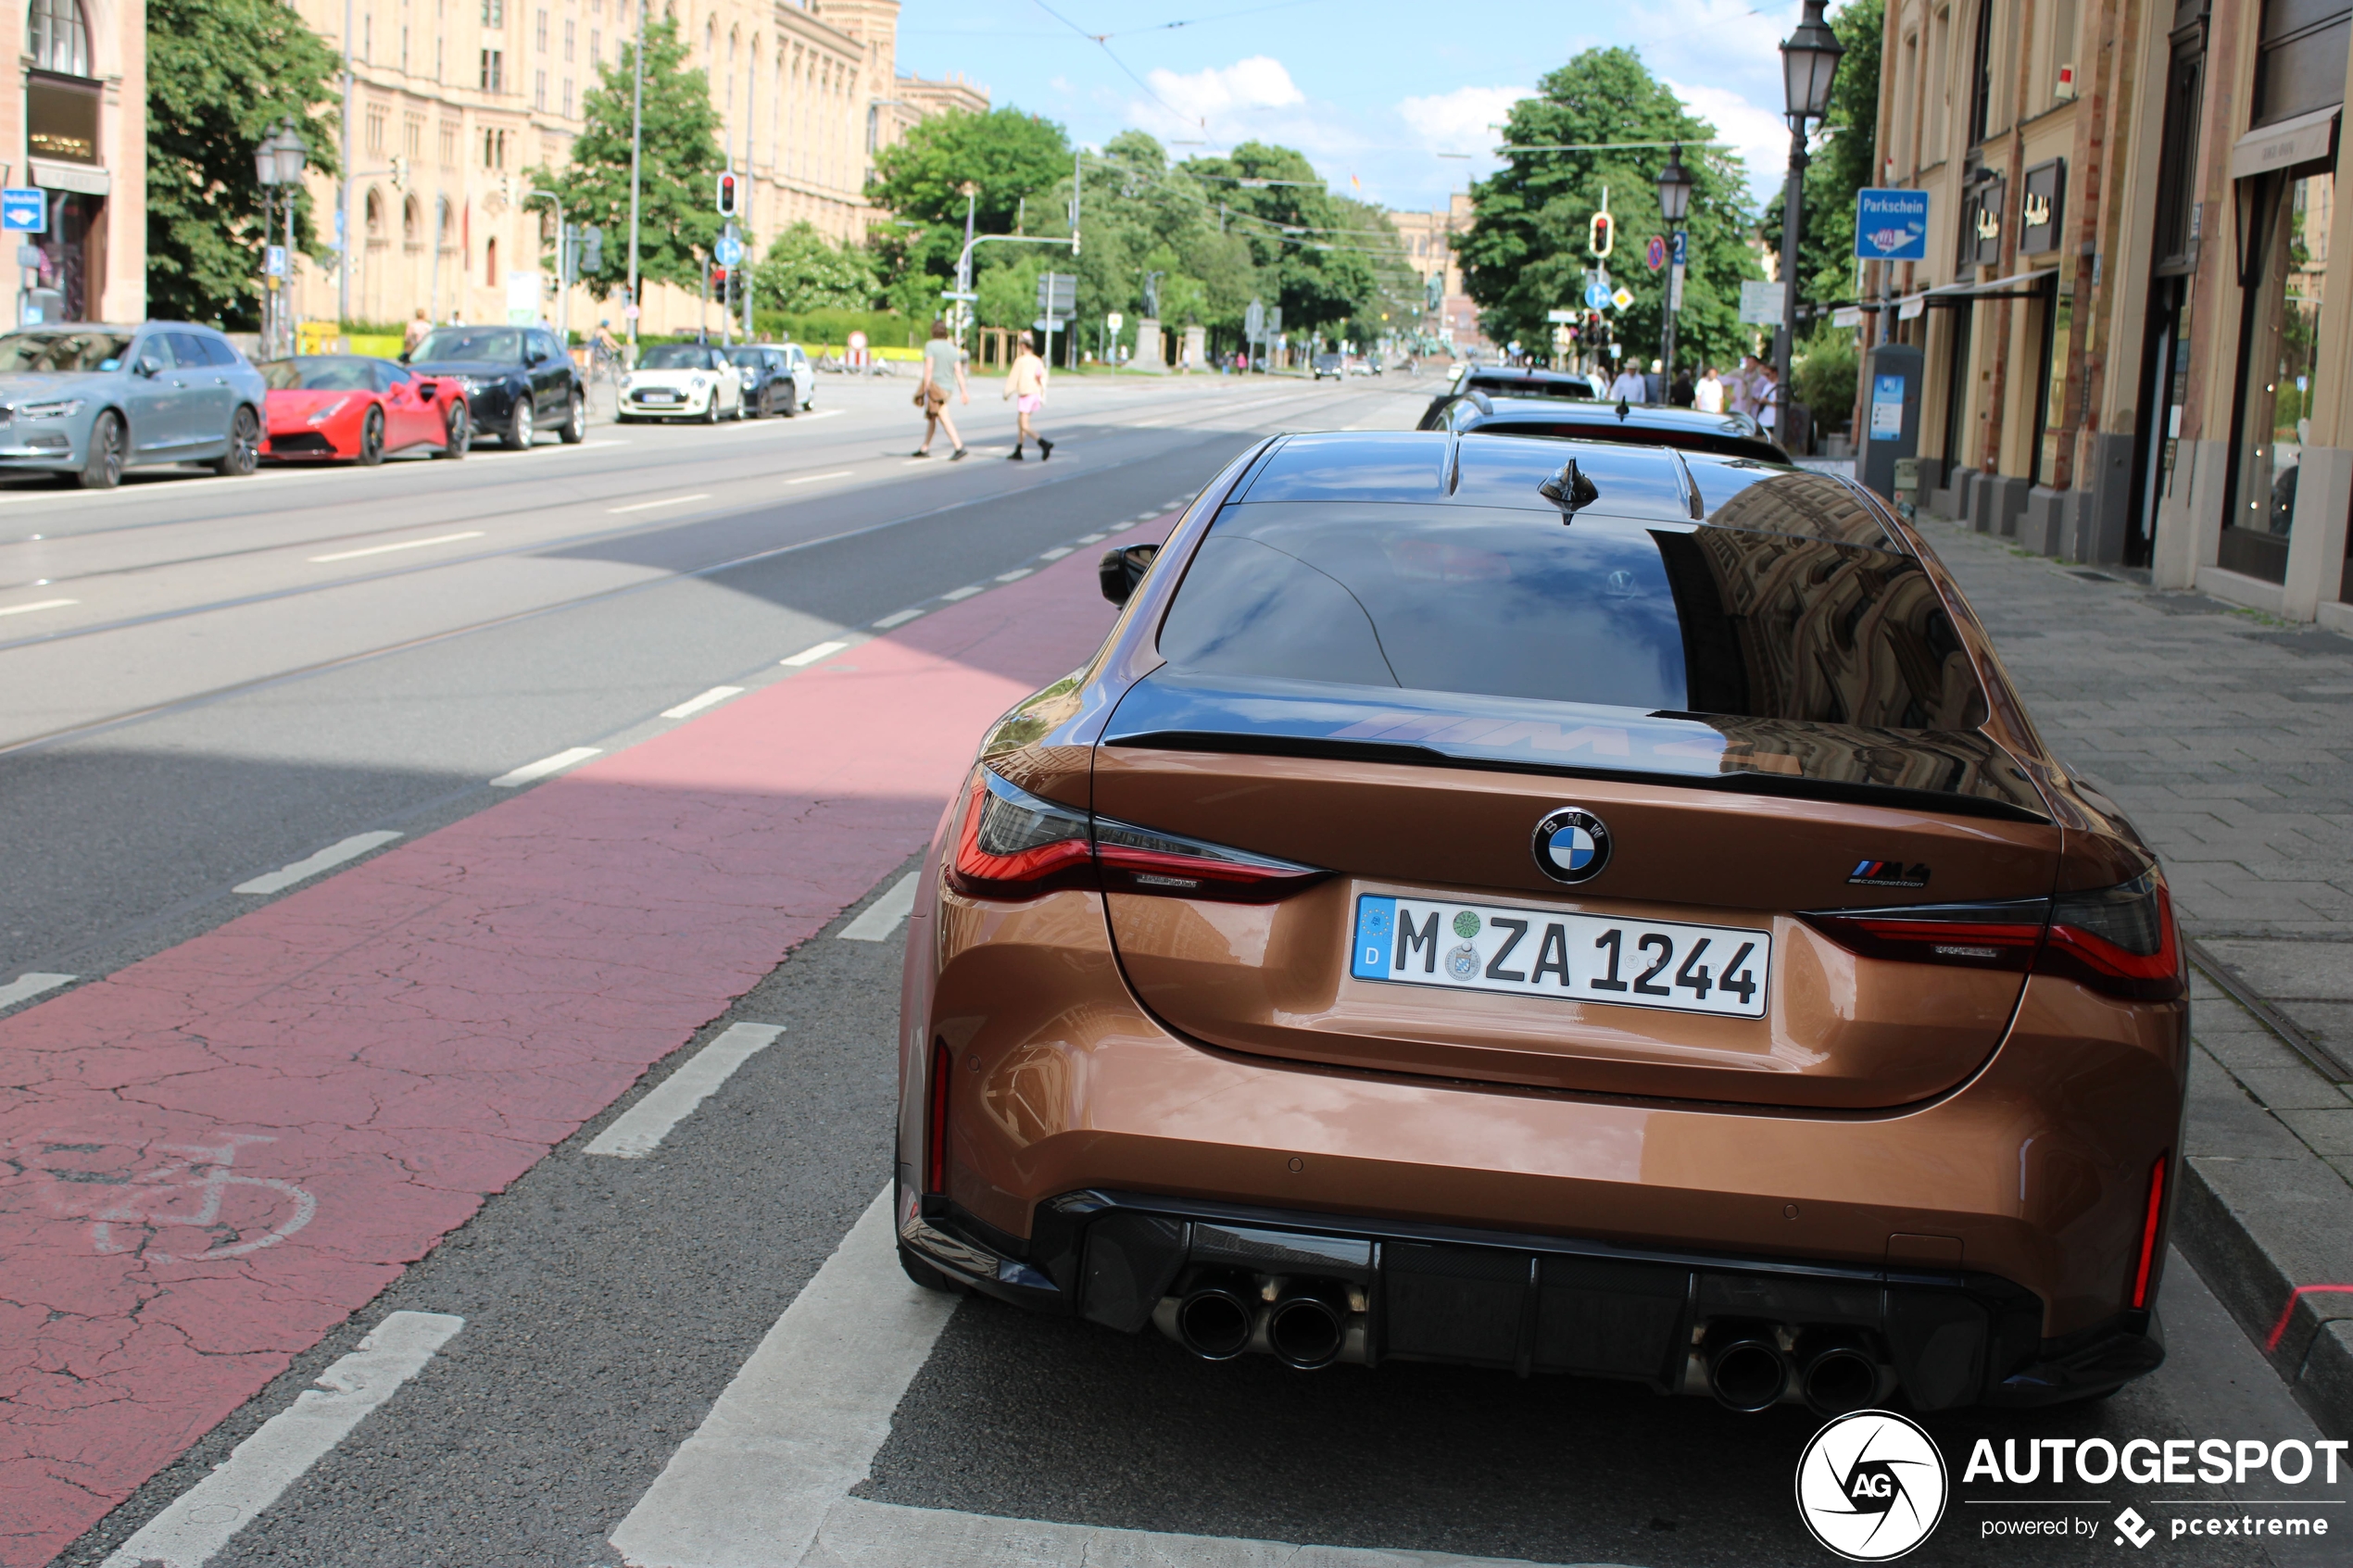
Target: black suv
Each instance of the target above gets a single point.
(518, 380)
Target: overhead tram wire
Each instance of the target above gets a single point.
(1098, 40)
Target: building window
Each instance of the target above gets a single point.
(2299, 62)
(438, 71)
(2277, 364)
(376, 132)
(596, 46)
(493, 149)
(412, 136)
(60, 37)
(539, 31)
(375, 211)
(1981, 75)
(403, 48)
(494, 71)
(490, 263)
(367, 40)
(449, 145)
(567, 97)
(410, 219)
(570, 28)
(494, 13)
(539, 89)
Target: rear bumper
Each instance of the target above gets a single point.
(1529, 1303)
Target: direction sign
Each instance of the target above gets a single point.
(24, 209)
(1622, 298)
(1057, 294)
(1655, 252)
(1891, 225)
(728, 251)
(1597, 295)
(1760, 304)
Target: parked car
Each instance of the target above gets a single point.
(516, 381)
(349, 406)
(1639, 424)
(1556, 907)
(93, 400)
(683, 381)
(1508, 381)
(777, 377)
(1328, 365)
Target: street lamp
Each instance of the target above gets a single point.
(278, 163)
(1809, 63)
(1674, 204)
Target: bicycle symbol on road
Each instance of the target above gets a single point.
(191, 1188)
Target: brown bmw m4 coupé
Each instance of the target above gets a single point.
(1554, 907)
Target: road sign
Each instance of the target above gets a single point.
(1597, 295)
(1114, 320)
(1255, 321)
(28, 256)
(1275, 322)
(629, 313)
(1559, 317)
(274, 261)
(1760, 304)
(729, 250)
(1891, 225)
(951, 293)
(1057, 294)
(1682, 248)
(1622, 298)
(24, 209)
(1655, 252)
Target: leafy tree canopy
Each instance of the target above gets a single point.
(804, 270)
(1526, 252)
(680, 163)
(220, 76)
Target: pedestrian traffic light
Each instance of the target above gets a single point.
(730, 194)
(1602, 236)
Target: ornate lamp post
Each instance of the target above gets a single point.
(1809, 63)
(278, 162)
(1674, 204)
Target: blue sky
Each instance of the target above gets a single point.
(1372, 91)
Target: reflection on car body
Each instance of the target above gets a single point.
(1650, 425)
(1276, 976)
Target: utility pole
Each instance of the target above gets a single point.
(637, 148)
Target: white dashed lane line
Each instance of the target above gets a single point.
(202, 1519)
(1055, 553)
(26, 987)
(334, 855)
(545, 766)
(639, 1130)
(37, 604)
(879, 918)
(1015, 576)
(807, 657)
(404, 544)
(695, 705)
(1092, 538)
(954, 595)
(666, 501)
(814, 478)
(900, 619)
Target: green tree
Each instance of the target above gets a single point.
(804, 270)
(679, 167)
(1314, 254)
(220, 76)
(1525, 251)
(1012, 159)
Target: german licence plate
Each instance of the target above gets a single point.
(1640, 964)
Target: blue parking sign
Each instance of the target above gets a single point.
(24, 209)
(1891, 225)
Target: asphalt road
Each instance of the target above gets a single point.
(218, 703)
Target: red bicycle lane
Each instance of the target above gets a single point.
(212, 1157)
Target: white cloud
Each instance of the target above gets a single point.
(1222, 95)
(1759, 134)
(1458, 121)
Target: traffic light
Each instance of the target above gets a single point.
(719, 280)
(730, 196)
(1602, 236)
(400, 172)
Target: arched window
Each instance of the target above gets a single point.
(60, 38)
(490, 263)
(375, 214)
(410, 217)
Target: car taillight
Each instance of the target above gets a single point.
(1016, 845)
(2119, 941)
(936, 1118)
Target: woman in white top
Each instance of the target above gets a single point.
(1708, 397)
(1025, 384)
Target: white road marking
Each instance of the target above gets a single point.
(694, 705)
(37, 604)
(814, 477)
(1015, 576)
(670, 501)
(1092, 538)
(900, 619)
(819, 413)
(765, 1481)
(1055, 553)
(639, 1130)
(879, 918)
(544, 767)
(202, 1519)
(807, 657)
(404, 544)
(26, 987)
(334, 855)
(954, 595)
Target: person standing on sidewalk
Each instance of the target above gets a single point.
(1025, 384)
(418, 330)
(942, 364)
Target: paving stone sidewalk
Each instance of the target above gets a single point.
(2227, 736)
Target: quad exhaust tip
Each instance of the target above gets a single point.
(1215, 1321)
(1840, 1375)
(1745, 1368)
(1307, 1328)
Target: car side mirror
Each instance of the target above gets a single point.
(148, 365)
(1122, 570)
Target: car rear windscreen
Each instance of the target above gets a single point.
(1772, 623)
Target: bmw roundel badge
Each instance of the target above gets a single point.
(1572, 845)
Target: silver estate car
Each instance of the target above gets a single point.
(91, 400)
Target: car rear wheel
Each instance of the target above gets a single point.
(522, 430)
(102, 468)
(792, 400)
(458, 433)
(372, 439)
(575, 429)
(243, 455)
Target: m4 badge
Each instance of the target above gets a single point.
(1887, 874)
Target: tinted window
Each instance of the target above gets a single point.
(542, 346)
(319, 372)
(220, 350)
(1729, 439)
(499, 345)
(676, 357)
(1484, 601)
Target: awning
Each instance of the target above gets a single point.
(2282, 146)
(51, 175)
(2017, 286)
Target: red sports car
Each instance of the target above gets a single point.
(329, 406)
